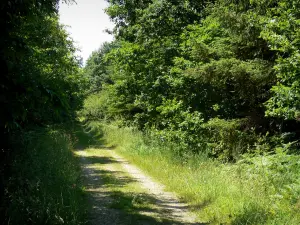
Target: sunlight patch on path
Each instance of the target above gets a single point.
(98, 198)
(121, 194)
(167, 201)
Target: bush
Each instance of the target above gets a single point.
(94, 107)
(179, 125)
(226, 140)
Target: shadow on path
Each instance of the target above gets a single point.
(109, 205)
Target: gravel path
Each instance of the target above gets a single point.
(99, 198)
(168, 208)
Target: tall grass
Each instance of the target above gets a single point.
(256, 190)
(45, 185)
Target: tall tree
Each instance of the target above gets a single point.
(40, 77)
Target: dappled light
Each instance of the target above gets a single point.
(177, 112)
(111, 180)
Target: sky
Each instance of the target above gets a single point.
(87, 21)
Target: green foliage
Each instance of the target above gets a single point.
(96, 70)
(41, 84)
(45, 187)
(176, 124)
(209, 79)
(203, 74)
(41, 72)
(226, 140)
(236, 81)
(94, 107)
(281, 23)
(279, 172)
(258, 189)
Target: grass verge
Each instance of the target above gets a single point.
(45, 185)
(258, 190)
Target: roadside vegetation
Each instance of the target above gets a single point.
(46, 186)
(41, 89)
(254, 190)
(203, 95)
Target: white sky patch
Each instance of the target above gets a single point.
(87, 21)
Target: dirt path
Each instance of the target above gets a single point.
(122, 194)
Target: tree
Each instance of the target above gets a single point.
(96, 69)
(192, 71)
(40, 75)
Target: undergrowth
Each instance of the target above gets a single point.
(259, 189)
(45, 185)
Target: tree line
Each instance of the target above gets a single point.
(217, 76)
(40, 85)
(220, 77)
